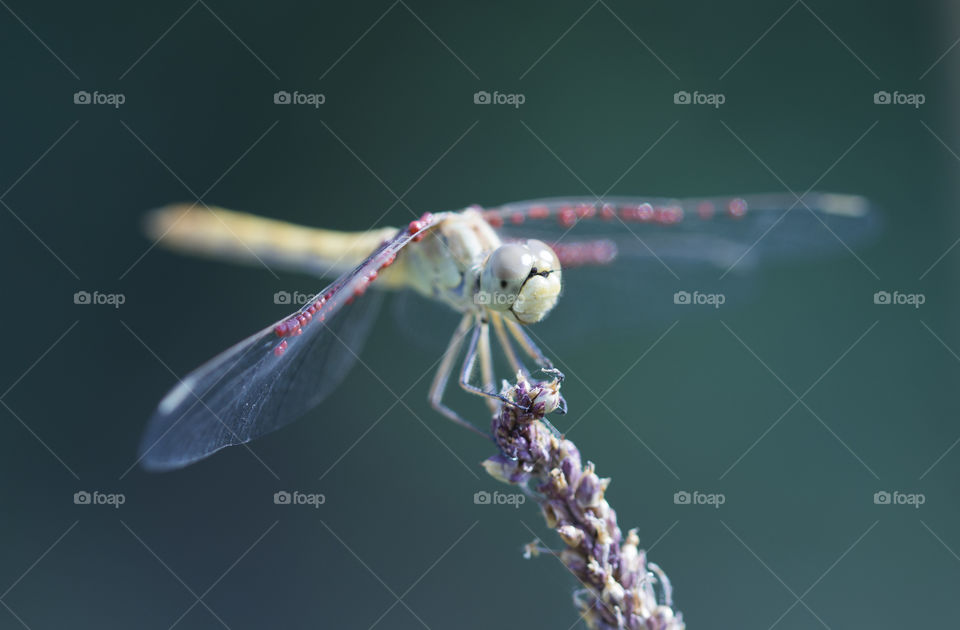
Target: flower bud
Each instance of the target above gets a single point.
(557, 484)
(500, 468)
(574, 561)
(548, 396)
(590, 489)
(571, 535)
(596, 572)
(612, 591)
(550, 514)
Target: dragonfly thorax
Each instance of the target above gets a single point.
(521, 280)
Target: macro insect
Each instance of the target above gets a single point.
(483, 263)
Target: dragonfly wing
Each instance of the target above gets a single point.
(720, 232)
(272, 377)
(627, 256)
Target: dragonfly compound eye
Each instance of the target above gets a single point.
(522, 280)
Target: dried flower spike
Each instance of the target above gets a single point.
(621, 590)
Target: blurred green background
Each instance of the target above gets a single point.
(799, 541)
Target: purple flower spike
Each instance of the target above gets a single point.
(621, 590)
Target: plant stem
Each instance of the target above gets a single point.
(621, 589)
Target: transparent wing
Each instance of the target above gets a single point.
(274, 376)
(723, 232)
(626, 257)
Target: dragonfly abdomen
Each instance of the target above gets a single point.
(246, 238)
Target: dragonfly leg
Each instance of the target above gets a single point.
(439, 384)
(518, 366)
(515, 363)
(481, 329)
(486, 364)
(534, 352)
(527, 344)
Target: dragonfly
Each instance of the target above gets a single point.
(502, 268)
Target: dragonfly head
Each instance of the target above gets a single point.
(521, 280)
